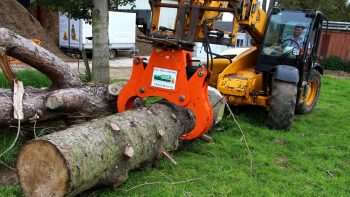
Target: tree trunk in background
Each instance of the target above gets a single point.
(100, 57)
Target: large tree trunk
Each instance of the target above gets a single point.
(102, 151)
(100, 53)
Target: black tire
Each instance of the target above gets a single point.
(112, 54)
(282, 105)
(308, 103)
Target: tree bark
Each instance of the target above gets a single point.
(39, 58)
(90, 100)
(101, 151)
(85, 102)
(100, 53)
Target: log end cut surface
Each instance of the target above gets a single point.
(42, 170)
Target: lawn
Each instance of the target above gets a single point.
(312, 159)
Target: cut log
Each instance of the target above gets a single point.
(104, 150)
(68, 162)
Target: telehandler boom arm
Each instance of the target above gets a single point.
(195, 20)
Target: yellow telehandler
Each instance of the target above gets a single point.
(279, 72)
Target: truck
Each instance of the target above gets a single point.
(76, 35)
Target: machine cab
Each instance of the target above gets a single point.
(290, 37)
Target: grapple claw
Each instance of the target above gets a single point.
(165, 76)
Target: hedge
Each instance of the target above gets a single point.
(335, 63)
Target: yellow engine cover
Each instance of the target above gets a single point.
(239, 82)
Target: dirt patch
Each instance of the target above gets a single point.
(338, 74)
(145, 49)
(8, 177)
(121, 73)
(16, 18)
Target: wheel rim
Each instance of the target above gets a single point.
(311, 94)
(112, 54)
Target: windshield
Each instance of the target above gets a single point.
(286, 34)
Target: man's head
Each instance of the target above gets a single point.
(297, 31)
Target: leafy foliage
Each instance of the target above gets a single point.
(335, 63)
(79, 9)
(335, 10)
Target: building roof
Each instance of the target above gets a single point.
(334, 25)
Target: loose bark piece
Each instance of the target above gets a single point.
(206, 138)
(167, 155)
(160, 132)
(129, 151)
(114, 127)
(18, 91)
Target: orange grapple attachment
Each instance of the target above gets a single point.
(165, 76)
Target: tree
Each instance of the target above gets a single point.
(335, 10)
(95, 12)
(100, 53)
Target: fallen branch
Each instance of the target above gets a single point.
(74, 98)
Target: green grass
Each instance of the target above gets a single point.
(29, 77)
(6, 140)
(10, 191)
(312, 159)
